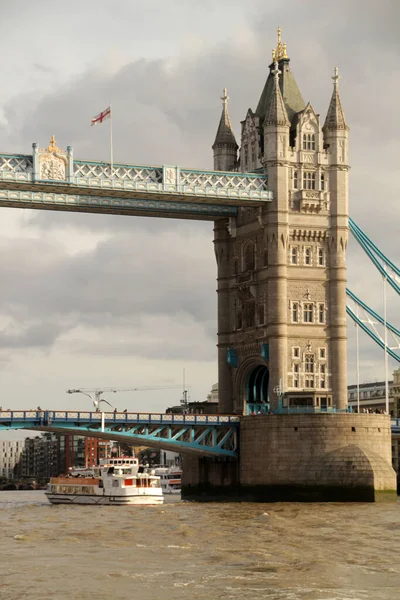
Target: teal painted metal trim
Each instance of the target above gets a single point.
(264, 375)
(371, 334)
(19, 156)
(232, 358)
(205, 434)
(228, 174)
(106, 204)
(370, 311)
(265, 351)
(117, 165)
(354, 228)
(370, 253)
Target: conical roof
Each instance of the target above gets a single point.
(276, 113)
(335, 118)
(291, 95)
(225, 135)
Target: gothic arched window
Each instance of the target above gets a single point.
(308, 180)
(309, 363)
(249, 257)
(249, 313)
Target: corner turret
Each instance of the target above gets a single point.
(335, 132)
(276, 123)
(225, 146)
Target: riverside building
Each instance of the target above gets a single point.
(10, 454)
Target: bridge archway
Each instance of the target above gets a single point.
(257, 390)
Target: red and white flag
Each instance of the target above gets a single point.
(106, 114)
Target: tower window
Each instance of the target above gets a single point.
(322, 353)
(322, 369)
(308, 141)
(309, 363)
(321, 257)
(308, 313)
(261, 314)
(295, 180)
(296, 371)
(295, 312)
(249, 314)
(309, 382)
(239, 320)
(265, 257)
(322, 182)
(321, 313)
(294, 256)
(309, 180)
(296, 352)
(253, 152)
(249, 257)
(307, 256)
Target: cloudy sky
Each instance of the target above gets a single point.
(94, 300)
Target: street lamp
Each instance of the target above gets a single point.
(96, 402)
(280, 392)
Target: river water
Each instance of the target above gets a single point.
(195, 551)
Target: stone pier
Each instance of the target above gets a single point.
(306, 457)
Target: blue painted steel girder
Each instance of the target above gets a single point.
(191, 434)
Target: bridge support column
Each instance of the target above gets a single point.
(307, 457)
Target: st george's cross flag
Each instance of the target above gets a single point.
(106, 114)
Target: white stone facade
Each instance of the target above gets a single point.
(281, 269)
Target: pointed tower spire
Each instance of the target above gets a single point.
(276, 113)
(225, 133)
(225, 146)
(335, 118)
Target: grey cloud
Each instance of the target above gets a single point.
(123, 280)
(42, 334)
(166, 111)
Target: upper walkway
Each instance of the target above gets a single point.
(51, 179)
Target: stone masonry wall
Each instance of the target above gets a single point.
(337, 450)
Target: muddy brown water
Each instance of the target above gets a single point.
(187, 550)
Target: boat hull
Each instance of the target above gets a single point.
(104, 500)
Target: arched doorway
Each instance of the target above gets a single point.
(257, 391)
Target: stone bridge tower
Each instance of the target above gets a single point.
(281, 268)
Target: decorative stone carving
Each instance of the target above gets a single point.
(250, 350)
(52, 163)
(171, 176)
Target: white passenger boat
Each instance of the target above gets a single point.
(171, 479)
(114, 481)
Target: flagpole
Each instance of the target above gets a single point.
(111, 142)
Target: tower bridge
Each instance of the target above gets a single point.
(279, 203)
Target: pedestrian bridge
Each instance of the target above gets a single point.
(206, 435)
(51, 179)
